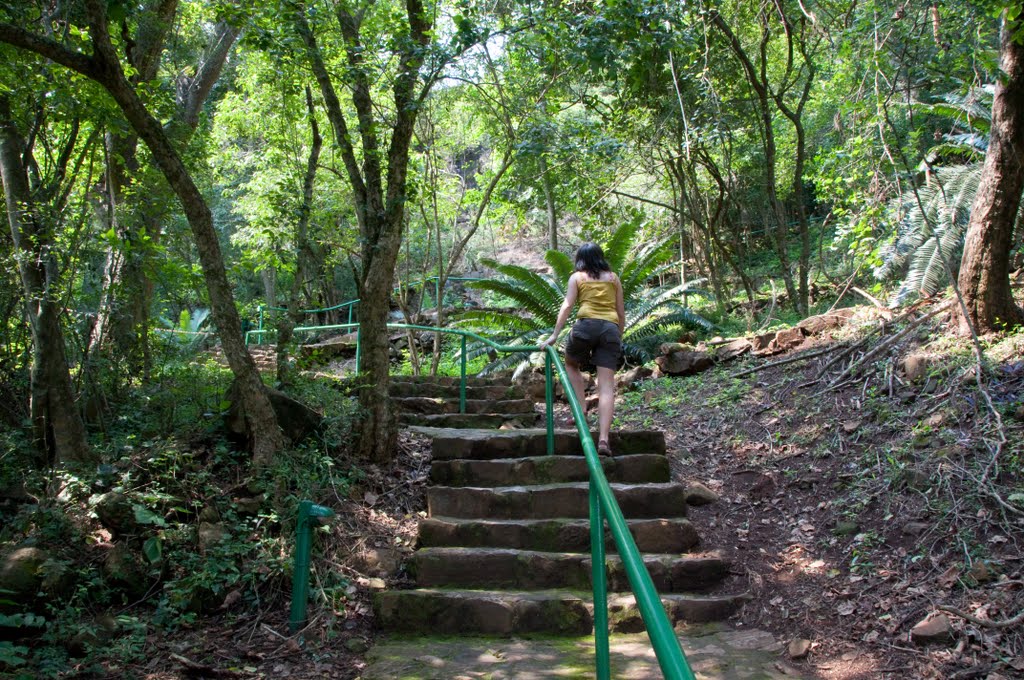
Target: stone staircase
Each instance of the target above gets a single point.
(505, 548)
(434, 402)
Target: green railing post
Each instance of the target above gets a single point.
(358, 349)
(259, 341)
(300, 574)
(549, 403)
(437, 293)
(599, 577)
(350, 312)
(462, 378)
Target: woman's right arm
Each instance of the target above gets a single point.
(563, 313)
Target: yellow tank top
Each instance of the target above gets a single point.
(597, 301)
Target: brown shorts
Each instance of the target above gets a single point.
(595, 342)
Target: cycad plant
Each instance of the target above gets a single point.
(931, 220)
(653, 314)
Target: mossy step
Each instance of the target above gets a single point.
(422, 389)
(470, 420)
(435, 405)
(553, 500)
(551, 612)
(533, 570)
(488, 445)
(651, 535)
(547, 469)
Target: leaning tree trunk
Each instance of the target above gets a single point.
(984, 278)
(57, 429)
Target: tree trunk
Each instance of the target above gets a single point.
(984, 278)
(549, 204)
(57, 429)
(103, 67)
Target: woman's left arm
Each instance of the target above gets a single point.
(620, 304)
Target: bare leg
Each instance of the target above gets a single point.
(578, 383)
(606, 401)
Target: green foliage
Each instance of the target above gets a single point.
(653, 313)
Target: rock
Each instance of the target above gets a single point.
(382, 562)
(116, 514)
(356, 645)
(210, 534)
(124, 569)
(799, 648)
(698, 494)
(851, 426)
(917, 365)
(933, 629)
(670, 347)
(322, 352)
(915, 528)
(815, 325)
(20, 573)
(249, 506)
(786, 340)
(845, 528)
(760, 343)
(628, 379)
(209, 513)
(684, 363)
(732, 350)
(297, 420)
(376, 584)
(983, 572)
(917, 479)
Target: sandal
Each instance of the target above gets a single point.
(603, 449)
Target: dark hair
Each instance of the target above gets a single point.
(590, 259)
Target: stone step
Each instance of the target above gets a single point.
(651, 535)
(435, 405)
(487, 444)
(552, 612)
(553, 500)
(446, 380)
(421, 389)
(471, 421)
(634, 469)
(532, 570)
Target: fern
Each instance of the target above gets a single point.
(930, 230)
(653, 314)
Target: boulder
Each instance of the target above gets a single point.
(627, 379)
(125, 569)
(211, 534)
(933, 629)
(324, 351)
(786, 339)
(21, 573)
(380, 562)
(917, 366)
(732, 350)
(116, 513)
(297, 420)
(698, 494)
(815, 325)
(684, 363)
(760, 343)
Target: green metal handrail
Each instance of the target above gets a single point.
(603, 507)
(352, 303)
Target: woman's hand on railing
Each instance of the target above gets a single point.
(550, 342)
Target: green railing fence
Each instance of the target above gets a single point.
(603, 508)
(262, 309)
